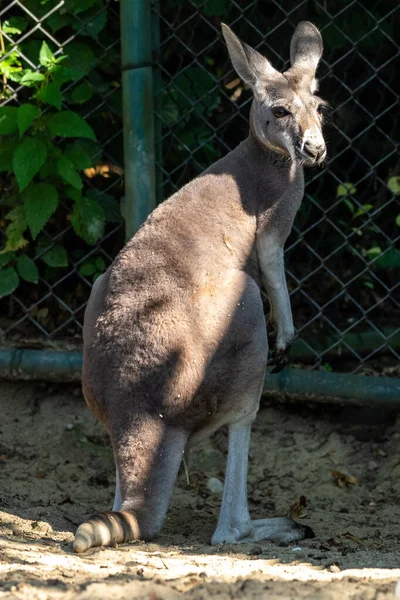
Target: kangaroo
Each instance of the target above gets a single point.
(175, 338)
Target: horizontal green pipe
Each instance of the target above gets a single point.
(48, 365)
(340, 388)
(291, 384)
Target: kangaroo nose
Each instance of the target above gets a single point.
(314, 149)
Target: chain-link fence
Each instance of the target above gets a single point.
(343, 259)
(59, 57)
(343, 256)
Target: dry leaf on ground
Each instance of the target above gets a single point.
(298, 508)
(343, 480)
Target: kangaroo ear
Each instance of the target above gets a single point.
(306, 48)
(249, 64)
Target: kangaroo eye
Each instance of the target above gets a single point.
(320, 109)
(280, 112)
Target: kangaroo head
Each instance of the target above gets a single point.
(286, 115)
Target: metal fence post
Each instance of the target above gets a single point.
(138, 113)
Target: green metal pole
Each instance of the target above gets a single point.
(138, 112)
(157, 88)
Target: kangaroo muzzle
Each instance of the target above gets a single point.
(314, 148)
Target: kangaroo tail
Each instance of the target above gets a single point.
(106, 529)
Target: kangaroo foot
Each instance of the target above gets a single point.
(280, 530)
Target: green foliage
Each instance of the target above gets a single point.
(15, 230)
(9, 281)
(66, 170)
(46, 149)
(29, 155)
(8, 120)
(389, 260)
(27, 269)
(92, 267)
(46, 57)
(88, 220)
(394, 185)
(7, 149)
(56, 256)
(194, 106)
(69, 124)
(82, 93)
(40, 201)
(26, 114)
(196, 86)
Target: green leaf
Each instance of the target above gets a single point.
(349, 205)
(49, 168)
(389, 260)
(15, 238)
(8, 120)
(57, 21)
(170, 112)
(60, 59)
(27, 269)
(78, 6)
(373, 252)
(6, 258)
(46, 57)
(363, 210)
(40, 202)
(50, 94)
(14, 25)
(69, 124)
(6, 154)
(393, 184)
(78, 156)
(195, 84)
(80, 56)
(88, 268)
(26, 114)
(9, 281)
(15, 230)
(66, 170)
(82, 93)
(31, 78)
(327, 367)
(111, 207)
(17, 214)
(95, 22)
(29, 156)
(61, 74)
(88, 220)
(74, 194)
(345, 189)
(100, 263)
(398, 220)
(56, 256)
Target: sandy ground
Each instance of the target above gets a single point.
(56, 468)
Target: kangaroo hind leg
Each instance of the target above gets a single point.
(148, 454)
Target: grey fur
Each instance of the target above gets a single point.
(175, 341)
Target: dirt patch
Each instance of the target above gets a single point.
(339, 470)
